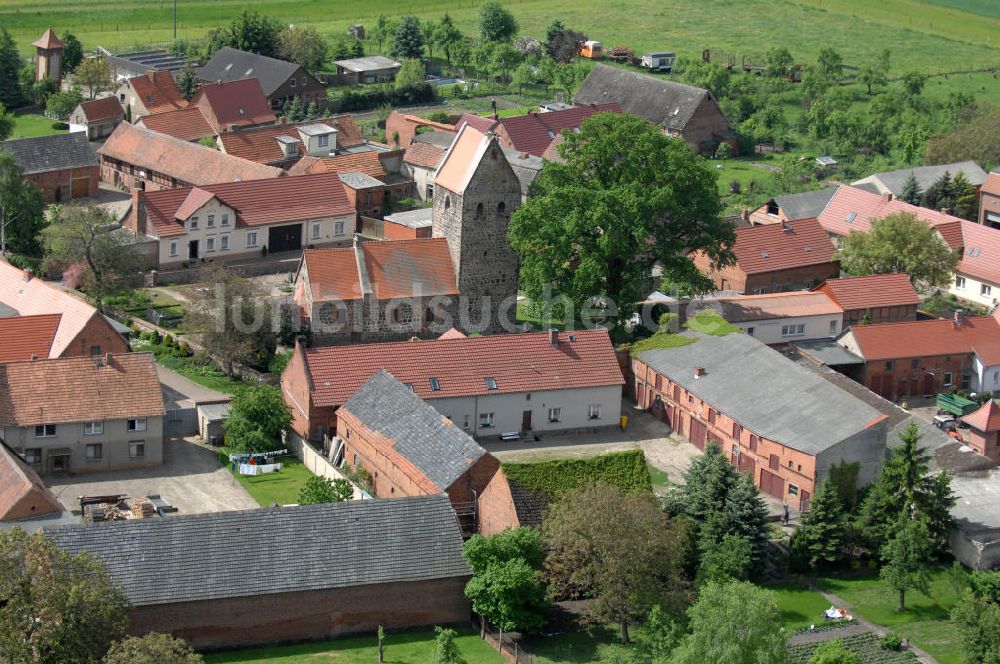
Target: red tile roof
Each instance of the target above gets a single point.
(333, 274)
(518, 363)
(852, 209)
(992, 183)
(360, 162)
(951, 233)
(477, 122)
(424, 155)
(987, 418)
(50, 391)
(879, 290)
(22, 337)
(22, 493)
(260, 143)
(980, 252)
(189, 163)
(187, 124)
(927, 338)
(158, 91)
(532, 133)
(48, 40)
(773, 247)
(105, 108)
(768, 306)
(234, 103)
(256, 202)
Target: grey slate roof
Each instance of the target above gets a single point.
(230, 64)
(829, 352)
(442, 139)
(422, 435)
(666, 103)
(357, 180)
(529, 505)
(52, 153)
(369, 63)
(276, 550)
(419, 218)
(894, 181)
(764, 391)
(805, 205)
(525, 166)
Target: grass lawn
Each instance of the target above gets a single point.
(27, 125)
(800, 607)
(659, 478)
(925, 622)
(281, 487)
(404, 648)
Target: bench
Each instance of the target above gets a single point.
(511, 435)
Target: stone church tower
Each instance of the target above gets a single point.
(475, 193)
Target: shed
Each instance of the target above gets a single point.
(211, 418)
(370, 69)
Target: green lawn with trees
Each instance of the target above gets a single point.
(30, 125)
(283, 487)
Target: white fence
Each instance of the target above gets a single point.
(317, 464)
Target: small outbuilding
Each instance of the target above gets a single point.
(97, 117)
(62, 166)
(370, 69)
(211, 420)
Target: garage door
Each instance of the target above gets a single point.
(81, 187)
(284, 238)
(772, 484)
(698, 433)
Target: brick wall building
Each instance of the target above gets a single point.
(989, 200)
(61, 166)
(878, 298)
(983, 434)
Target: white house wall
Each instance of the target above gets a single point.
(971, 291)
(816, 327)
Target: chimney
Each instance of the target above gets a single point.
(27, 275)
(699, 372)
(958, 319)
(553, 337)
(886, 197)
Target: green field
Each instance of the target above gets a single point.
(28, 125)
(281, 487)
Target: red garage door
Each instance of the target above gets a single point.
(698, 434)
(772, 484)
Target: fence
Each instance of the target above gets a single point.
(317, 464)
(283, 263)
(506, 643)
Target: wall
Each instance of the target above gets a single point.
(318, 614)
(866, 447)
(317, 464)
(989, 207)
(705, 126)
(980, 550)
(496, 506)
(985, 443)
(404, 128)
(794, 279)
(423, 179)
(769, 331)
(295, 389)
(394, 231)
(306, 88)
(972, 290)
(918, 376)
(96, 333)
(892, 314)
(57, 186)
(730, 278)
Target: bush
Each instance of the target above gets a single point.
(353, 100)
(624, 470)
(891, 641)
(184, 349)
(60, 126)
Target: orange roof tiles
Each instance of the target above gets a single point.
(477, 122)
(187, 124)
(22, 337)
(196, 198)
(333, 274)
(234, 103)
(22, 493)
(774, 247)
(518, 363)
(777, 305)
(404, 268)
(879, 290)
(980, 252)
(951, 233)
(926, 338)
(360, 162)
(532, 133)
(462, 160)
(424, 155)
(80, 389)
(992, 183)
(105, 108)
(260, 143)
(986, 418)
(158, 91)
(852, 209)
(48, 40)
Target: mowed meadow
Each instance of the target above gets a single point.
(924, 35)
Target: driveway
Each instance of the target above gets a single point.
(190, 478)
(182, 392)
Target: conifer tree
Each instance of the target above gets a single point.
(911, 192)
(819, 539)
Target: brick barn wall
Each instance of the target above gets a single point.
(891, 314)
(295, 390)
(265, 619)
(705, 125)
(496, 506)
(902, 379)
(48, 183)
(987, 444)
(988, 202)
(392, 475)
(794, 279)
(394, 231)
(728, 278)
(97, 332)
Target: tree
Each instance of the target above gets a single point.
(778, 62)
(730, 559)
(621, 551)
(843, 477)
(496, 24)
(627, 198)
(6, 123)
(94, 74)
(554, 30)
(324, 490)
(11, 90)
(976, 138)
(876, 72)
(911, 190)
(966, 203)
(92, 238)
(408, 41)
(941, 193)
(831, 63)
(257, 416)
(522, 76)
(254, 32)
(22, 209)
(357, 49)
(906, 558)
(906, 487)
(59, 105)
(913, 82)
(40, 90)
(57, 607)
(818, 540)
(445, 649)
(976, 616)
(427, 29)
(383, 30)
(833, 652)
(232, 320)
(187, 83)
(446, 35)
(411, 73)
(898, 243)
(303, 45)
(507, 589)
(734, 622)
(663, 633)
(152, 648)
(567, 78)
(565, 46)
(72, 52)
(294, 110)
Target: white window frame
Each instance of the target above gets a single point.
(173, 247)
(33, 455)
(224, 243)
(324, 140)
(948, 379)
(959, 283)
(986, 290)
(487, 420)
(555, 414)
(210, 223)
(134, 445)
(94, 451)
(338, 228)
(467, 422)
(317, 231)
(793, 490)
(193, 224)
(209, 244)
(225, 219)
(136, 424)
(93, 428)
(793, 330)
(45, 431)
(594, 411)
(251, 239)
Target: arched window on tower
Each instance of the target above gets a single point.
(479, 211)
(447, 202)
(501, 208)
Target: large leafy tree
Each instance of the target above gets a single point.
(496, 24)
(303, 45)
(72, 52)
(6, 123)
(734, 622)
(626, 199)
(818, 540)
(257, 416)
(22, 209)
(506, 588)
(876, 72)
(899, 242)
(907, 487)
(60, 104)
(94, 74)
(152, 648)
(187, 82)
(906, 559)
(324, 490)
(55, 607)
(621, 551)
(975, 137)
(250, 31)
(408, 40)
(446, 35)
(977, 617)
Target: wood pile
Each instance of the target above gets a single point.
(142, 508)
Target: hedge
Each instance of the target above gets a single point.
(421, 93)
(625, 470)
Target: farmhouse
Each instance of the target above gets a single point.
(284, 144)
(893, 182)
(776, 318)
(370, 69)
(153, 92)
(117, 422)
(398, 565)
(487, 385)
(878, 298)
(852, 210)
(280, 80)
(225, 220)
(228, 106)
(774, 258)
(534, 132)
(61, 166)
(187, 124)
(97, 117)
(680, 110)
(779, 422)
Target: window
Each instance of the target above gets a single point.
(833, 328)
(890, 366)
(594, 411)
(430, 191)
(996, 376)
(465, 421)
(291, 82)
(338, 228)
(173, 248)
(985, 290)
(793, 490)
(916, 364)
(959, 283)
(753, 442)
(759, 291)
(491, 383)
(750, 331)
(690, 398)
(317, 229)
(658, 381)
(225, 219)
(479, 211)
(93, 428)
(793, 330)
(737, 430)
(501, 208)
(711, 415)
(772, 462)
(138, 424)
(368, 198)
(95, 351)
(211, 221)
(555, 414)
(210, 244)
(95, 452)
(45, 431)
(324, 141)
(33, 455)
(136, 449)
(193, 224)
(485, 420)
(252, 239)
(224, 243)
(789, 464)
(435, 385)
(947, 379)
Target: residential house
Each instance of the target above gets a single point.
(231, 105)
(526, 167)
(878, 298)
(989, 200)
(187, 124)
(926, 357)
(116, 423)
(225, 220)
(366, 194)
(410, 449)
(42, 320)
(488, 385)
(23, 495)
(774, 258)
(408, 225)
(534, 132)
(398, 565)
(421, 161)
(134, 158)
(280, 80)
(61, 166)
(777, 318)
(852, 210)
(153, 92)
(792, 207)
(893, 182)
(97, 117)
(372, 181)
(370, 69)
(776, 421)
(285, 143)
(983, 434)
(680, 110)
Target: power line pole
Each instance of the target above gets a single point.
(175, 20)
